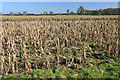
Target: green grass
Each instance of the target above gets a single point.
(106, 69)
(99, 67)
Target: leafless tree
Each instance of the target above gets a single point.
(51, 13)
(19, 13)
(24, 13)
(0, 13)
(80, 10)
(68, 11)
(11, 13)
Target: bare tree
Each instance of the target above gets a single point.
(11, 13)
(24, 13)
(0, 13)
(80, 10)
(19, 13)
(68, 11)
(51, 13)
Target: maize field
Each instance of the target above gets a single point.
(33, 43)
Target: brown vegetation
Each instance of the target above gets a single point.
(37, 43)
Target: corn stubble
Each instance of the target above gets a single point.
(30, 44)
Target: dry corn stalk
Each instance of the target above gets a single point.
(117, 47)
(2, 62)
(84, 52)
(13, 68)
(52, 37)
(9, 58)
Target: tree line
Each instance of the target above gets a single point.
(108, 11)
(80, 11)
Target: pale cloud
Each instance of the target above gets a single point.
(59, 0)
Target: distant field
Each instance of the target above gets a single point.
(62, 17)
